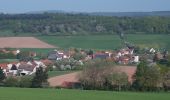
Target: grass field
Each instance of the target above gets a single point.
(107, 41)
(54, 94)
(8, 60)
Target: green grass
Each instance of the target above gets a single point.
(38, 50)
(8, 60)
(108, 41)
(54, 94)
(86, 42)
(57, 73)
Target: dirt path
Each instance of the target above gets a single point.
(23, 42)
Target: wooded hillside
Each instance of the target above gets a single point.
(78, 24)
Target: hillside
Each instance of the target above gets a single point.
(83, 24)
(132, 14)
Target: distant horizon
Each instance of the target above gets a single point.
(62, 11)
(24, 6)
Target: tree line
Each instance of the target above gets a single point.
(78, 24)
(101, 75)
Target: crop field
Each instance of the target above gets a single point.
(108, 41)
(56, 94)
(22, 42)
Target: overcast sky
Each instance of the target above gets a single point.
(20, 6)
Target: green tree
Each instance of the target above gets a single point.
(118, 81)
(40, 78)
(79, 56)
(166, 81)
(147, 78)
(2, 75)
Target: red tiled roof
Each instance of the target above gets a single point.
(3, 65)
(47, 62)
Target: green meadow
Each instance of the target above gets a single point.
(62, 94)
(108, 41)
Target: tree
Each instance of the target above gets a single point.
(118, 81)
(2, 75)
(147, 78)
(101, 75)
(40, 78)
(79, 56)
(166, 81)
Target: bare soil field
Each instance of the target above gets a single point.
(23, 42)
(129, 70)
(60, 80)
(74, 77)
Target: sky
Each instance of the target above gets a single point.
(22, 6)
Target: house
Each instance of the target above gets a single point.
(101, 56)
(4, 67)
(124, 60)
(13, 69)
(9, 68)
(47, 62)
(37, 64)
(26, 69)
(58, 55)
(152, 50)
(135, 59)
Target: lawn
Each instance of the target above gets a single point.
(57, 73)
(54, 94)
(108, 41)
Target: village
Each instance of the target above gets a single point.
(74, 58)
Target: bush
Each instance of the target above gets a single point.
(11, 82)
(25, 81)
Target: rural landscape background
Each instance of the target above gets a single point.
(96, 50)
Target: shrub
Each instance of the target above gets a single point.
(11, 82)
(25, 81)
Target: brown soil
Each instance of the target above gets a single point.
(59, 80)
(23, 42)
(129, 70)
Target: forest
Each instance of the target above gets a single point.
(80, 24)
